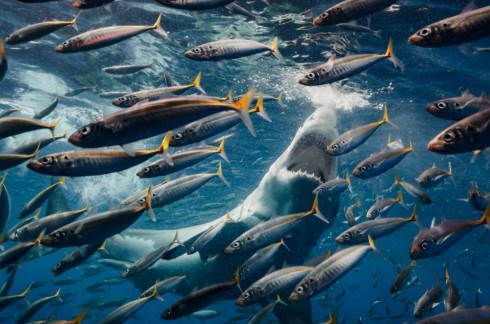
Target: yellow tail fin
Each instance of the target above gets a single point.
(275, 50)
(241, 106)
(157, 23)
(219, 173)
(389, 49)
(80, 317)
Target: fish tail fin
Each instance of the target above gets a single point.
(36, 151)
(373, 246)
(148, 208)
(221, 150)
(158, 29)
(81, 316)
(279, 100)
(2, 48)
(377, 33)
(281, 242)
(279, 300)
(449, 168)
(2, 182)
(176, 239)
(153, 65)
(387, 120)
(197, 83)
(410, 147)
(446, 271)
(399, 198)
(53, 126)
(349, 182)
(57, 295)
(219, 173)
(25, 292)
(275, 49)
(390, 55)
(485, 219)
(260, 110)
(413, 217)
(397, 182)
(103, 247)
(437, 281)
(315, 211)
(38, 240)
(241, 106)
(163, 149)
(73, 22)
(62, 180)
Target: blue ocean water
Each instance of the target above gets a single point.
(37, 74)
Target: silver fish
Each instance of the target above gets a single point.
(460, 316)
(271, 231)
(380, 162)
(132, 98)
(457, 108)
(36, 306)
(76, 257)
(468, 26)
(36, 31)
(478, 198)
(434, 176)
(272, 284)
(164, 286)
(181, 160)
(208, 235)
(128, 69)
(227, 49)
(9, 160)
(259, 317)
(49, 223)
(11, 126)
(36, 202)
(469, 134)
(428, 301)
(401, 278)
(259, 261)
(433, 241)
(345, 67)
(330, 270)
(349, 213)
(382, 206)
(16, 252)
(452, 297)
(353, 138)
(348, 10)
(7, 300)
(4, 204)
(124, 312)
(413, 190)
(195, 4)
(148, 260)
(102, 37)
(333, 187)
(375, 228)
(30, 146)
(46, 111)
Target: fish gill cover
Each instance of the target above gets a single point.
(271, 175)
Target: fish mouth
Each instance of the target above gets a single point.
(190, 54)
(304, 81)
(75, 138)
(294, 297)
(339, 240)
(415, 40)
(430, 108)
(77, 5)
(35, 165)
(58, 49)
(435, 146)
(240, 301)
(413, 254)
(229, 250)
(317, 21)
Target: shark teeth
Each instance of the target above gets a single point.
(306, 174)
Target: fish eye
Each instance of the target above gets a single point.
(46, 160)
(425, 32)
(363, 169)
(300, 290)
(427, 179)
(65, 157)
(65, 44)
(395, 287)
(424, 245)
(374, 212)
(246, 295)
(449, 137)
(335, 147)
(310, 75)
(441, 105)
(196, 50)
(346, 236)
(146, 170)
(178, 136)
(320, 190)
(85, 130)
(248, 238)
(325, 15)
(191, 130)
(236, 244)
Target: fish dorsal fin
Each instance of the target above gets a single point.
(107, 110)
(470, 6)
(433, 222)
(466, 94)
(330, 63)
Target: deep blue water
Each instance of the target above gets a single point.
(37, 74)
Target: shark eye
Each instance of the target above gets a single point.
(424, 245)
(425, 32)
(86, 130)
(448, 137)
(441, 105)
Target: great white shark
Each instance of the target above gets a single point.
(286, 188)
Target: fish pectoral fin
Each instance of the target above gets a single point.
(434, 305)
(129, 149)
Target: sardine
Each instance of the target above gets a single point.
(164, 286)
(469, 134)
(208, 235)
(428, 301)
(153, 118)
(76, 257)
(102, 37)
(36, 202)
(375, 228)
(46, 111)
(9, 160)
(89, 162)
(460, 316)
(260, 260)
(151, 258)
(11, 126)
(434, 176)
(36, 306)
(4, 204)
(380, 162)
(88, 4)
(98, 227)
(382, 206)
(270, 231)
(452, 297)
(330, 270)
(457, 108)
(401, 278)
(30, 146)
(37, 31)
(124, 312)
(345, 67)
(273, 284)
(49, 223)
(478, 198)
(16, 252)
(333, 187)
(227, 49)
(469, 25)
(348, 10)
(349, 213)
(355, 137)
(128, 69)
(7, 300)
(130, 99)
(433, 241)
(413, 190)
(181, 160)
(259, 317)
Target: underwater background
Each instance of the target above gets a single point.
(37, 75)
